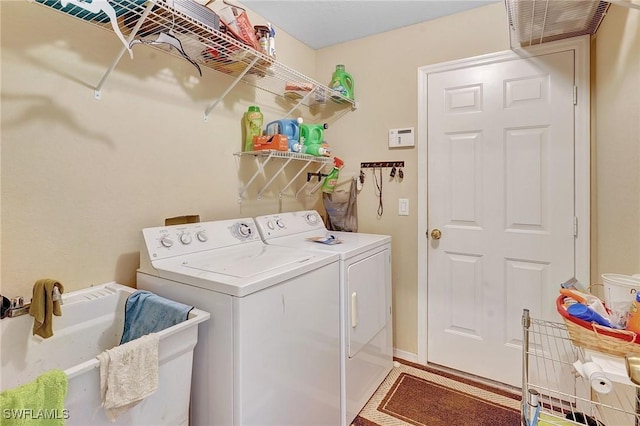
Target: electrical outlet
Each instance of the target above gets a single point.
(403, 207)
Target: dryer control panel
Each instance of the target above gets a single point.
(175, 240)
(291, 223)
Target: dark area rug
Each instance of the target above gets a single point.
(418, 395)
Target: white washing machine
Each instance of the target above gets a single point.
(365, 298)
(270, 354)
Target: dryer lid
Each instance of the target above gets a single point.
(351, 243)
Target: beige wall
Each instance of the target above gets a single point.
(81, 177)
(616, 144)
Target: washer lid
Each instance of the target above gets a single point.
(245, 261)
(242, 270)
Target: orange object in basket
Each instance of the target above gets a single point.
(274, 142)
(572, 294)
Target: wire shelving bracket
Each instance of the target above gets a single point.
(264, 157)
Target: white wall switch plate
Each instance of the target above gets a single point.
(399, 138)
(403, 207)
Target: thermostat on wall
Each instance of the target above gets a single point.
(399, 138)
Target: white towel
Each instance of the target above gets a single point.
(128, 374)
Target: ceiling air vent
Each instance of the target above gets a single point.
(540, 21)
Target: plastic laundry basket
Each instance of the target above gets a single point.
(620, 288)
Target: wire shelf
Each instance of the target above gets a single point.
(205, 42)
(286, 154)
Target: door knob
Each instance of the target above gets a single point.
(436, 234)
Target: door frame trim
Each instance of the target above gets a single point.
(582, 158)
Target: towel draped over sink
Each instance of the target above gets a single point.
(43, 306)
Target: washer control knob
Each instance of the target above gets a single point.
(202, 236)
(166, 241)
(244, 230)
(270, 225)
(280, 223)
(185, 238)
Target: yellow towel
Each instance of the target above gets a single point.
(43, 307)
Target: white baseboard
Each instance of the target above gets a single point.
(407, 356)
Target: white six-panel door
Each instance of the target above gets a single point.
(501, 192)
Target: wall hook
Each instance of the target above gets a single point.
(320, 176)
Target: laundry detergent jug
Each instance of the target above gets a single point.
(311, 134)
(342, 84)
(289, 127)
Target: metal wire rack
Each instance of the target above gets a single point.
(262, 158)
(205, 42)
(554, 393)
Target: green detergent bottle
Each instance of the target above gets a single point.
(311, 134)
(341, 83)
(317, 149)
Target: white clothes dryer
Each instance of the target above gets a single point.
(270, 354)
(365, 298)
